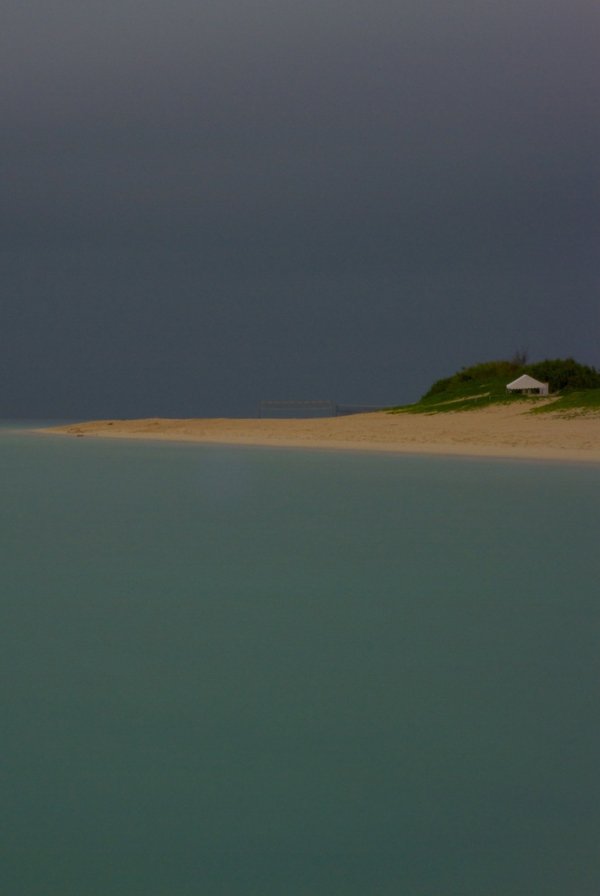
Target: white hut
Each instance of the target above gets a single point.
(526, 385)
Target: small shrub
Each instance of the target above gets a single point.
(565, 373)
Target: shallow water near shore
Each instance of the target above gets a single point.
(254, 672)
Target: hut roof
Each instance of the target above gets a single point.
(526, 382)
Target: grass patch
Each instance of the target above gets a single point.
(470, 388)
(462, 396)
(577, 401)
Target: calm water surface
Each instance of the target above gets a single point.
(245, 672)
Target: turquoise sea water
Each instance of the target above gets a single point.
(246, 672)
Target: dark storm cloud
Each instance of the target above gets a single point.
(247, 168)
(143, 111)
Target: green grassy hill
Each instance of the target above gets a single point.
(574, 387)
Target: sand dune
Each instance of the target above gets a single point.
(497, 431)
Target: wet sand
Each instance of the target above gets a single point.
(498, 431)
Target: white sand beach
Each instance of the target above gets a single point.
(497, 431)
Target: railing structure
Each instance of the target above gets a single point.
(314, 408)
(345, 409)
(323, 408)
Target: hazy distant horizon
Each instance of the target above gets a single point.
(234, 408)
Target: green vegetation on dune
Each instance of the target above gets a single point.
(573, 386)
(577, 401)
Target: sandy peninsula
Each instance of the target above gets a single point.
(508, 431)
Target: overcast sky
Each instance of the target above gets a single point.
(207, 203)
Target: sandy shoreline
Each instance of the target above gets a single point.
(498, 431)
